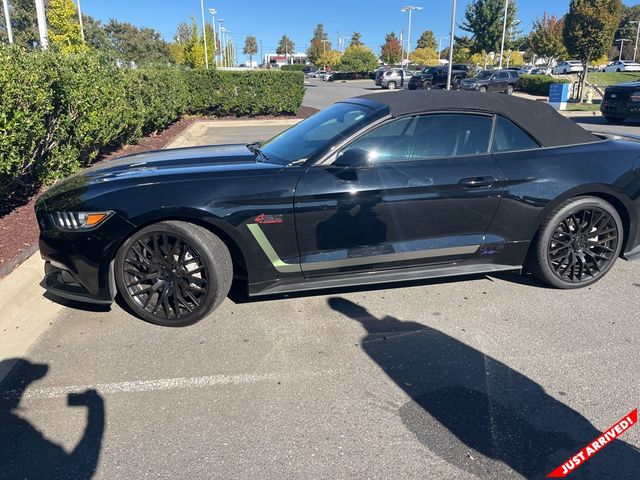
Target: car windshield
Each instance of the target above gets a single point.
(484, 74)
(321, 130)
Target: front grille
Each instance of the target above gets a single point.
(617, 95)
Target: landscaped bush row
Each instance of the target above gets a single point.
(538, 84)
(59, 112)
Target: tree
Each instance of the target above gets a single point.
(546, 40)
(484, 20)
(329, 59)
(95, 35)
(424, 56)
(391, 52)
(358, 58)
(356, 40)
(427, 40)
(285, 46)
(588, 31)
(318, 45)
(64, 27)
(514, 58)
(23, 24)
(250, 47)
(138, 45)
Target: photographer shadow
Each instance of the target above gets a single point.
(24, 451)
(477, 413)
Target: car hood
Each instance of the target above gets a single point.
(470, 81)
(150, 167)
(635, 85)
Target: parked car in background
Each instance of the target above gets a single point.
(326, 76)
(541, 71)
(622, 66)
(526, 69)
(317, 74)
(570, 66)
(393, 78)
(436, 77)
(502, 81)
(621, 101)
(380, 188)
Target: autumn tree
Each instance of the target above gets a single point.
(250, 47)
(358, 58)
(64, 27)
(589, 29)
(319, 44)
(427, 40)
(424, 56)
(329, 59)
(546, 40)
(484, 19)
(391, 52)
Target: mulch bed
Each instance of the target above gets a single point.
(18, 226)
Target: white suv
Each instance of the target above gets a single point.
(570, 66)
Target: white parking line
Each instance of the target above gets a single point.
(160, 384)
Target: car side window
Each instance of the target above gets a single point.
(428, 136)
(508, 137)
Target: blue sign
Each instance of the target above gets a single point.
(558, 92)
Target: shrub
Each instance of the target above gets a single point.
(59, 112)
(538, 84)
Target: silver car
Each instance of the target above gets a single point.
(393, 78)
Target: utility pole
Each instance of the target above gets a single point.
(221, 40)
(7, 20)
(42, 24)
(204, 36)
(81, 25)
(213, 12)
(635, 50)
(453, 31)
(504, 29)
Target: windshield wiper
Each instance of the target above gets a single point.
(257, 151)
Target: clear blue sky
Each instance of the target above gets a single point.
(268, 20)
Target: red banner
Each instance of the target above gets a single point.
(594, 447)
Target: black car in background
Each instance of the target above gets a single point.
(502, 81)
(436, 77)
(379, 188)
(621, 101)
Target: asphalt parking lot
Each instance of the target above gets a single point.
(480, 377)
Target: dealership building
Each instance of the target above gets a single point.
(280, 60)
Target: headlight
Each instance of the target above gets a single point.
(635, 97)
(73, 221)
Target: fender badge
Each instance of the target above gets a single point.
(268, 219)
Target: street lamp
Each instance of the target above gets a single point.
(635, 50)
(7, 20)
(220, 27)
(440, 46)
(621, 40)
(341, 44)
(213, 12)
(504, 29)
(80, 18)
(204, 36)
(410, 9)
(452, 34)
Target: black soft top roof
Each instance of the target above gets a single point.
(539, 119)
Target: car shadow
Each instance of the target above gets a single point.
(25, 453)
(478, 414)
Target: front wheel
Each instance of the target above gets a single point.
(509, 90)
(426, 86)
(483, 89)
(578, 243)
(173, 273)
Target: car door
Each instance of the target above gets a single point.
(502, 80)
(416, 191)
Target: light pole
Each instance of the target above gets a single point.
(341, 45)
(324, 45)
(7, 20)
(452, 34)
(220, 39)
(223, 40)
(410, 9)
(204, 36)
(80, 18)
(42, 24)
(440, 46)
(622, 40)
(216, 40)
(635, 50)
(504, 29)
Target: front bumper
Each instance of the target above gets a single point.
(470, 86)
(620, 109)
(60, 282)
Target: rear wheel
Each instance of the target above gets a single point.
(483, 89)
(391, 85)
(426, 85)
(578, 243)
(173, 273)
(509, 90)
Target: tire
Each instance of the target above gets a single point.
(509, 90)
(426, 86)
(457, 83)
(577, 244)
(614, 120)
(391, 85)
(565, 71)
(482, 89)
(173, 273)
(618, 70)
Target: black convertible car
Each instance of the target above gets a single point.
(379, 188)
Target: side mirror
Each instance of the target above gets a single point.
(353, 157)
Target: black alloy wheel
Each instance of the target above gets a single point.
(579, 243)
(173, 273)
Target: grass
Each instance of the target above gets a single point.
(582, 107)
(602, 79)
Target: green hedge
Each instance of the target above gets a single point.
(58, 112)
(539, 84)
